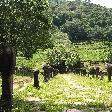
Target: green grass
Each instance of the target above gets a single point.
(64, 92)
(92, 51)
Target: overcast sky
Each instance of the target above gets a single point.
(107, 3)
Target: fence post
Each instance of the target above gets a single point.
(36, 79)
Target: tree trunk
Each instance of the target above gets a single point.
(7, 66)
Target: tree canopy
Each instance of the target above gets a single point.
(83, 20)
(24, 24)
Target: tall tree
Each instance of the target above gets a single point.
(24, 24)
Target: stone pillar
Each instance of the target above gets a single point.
(36, 79)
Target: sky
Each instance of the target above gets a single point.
(107, 3)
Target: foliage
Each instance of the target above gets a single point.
(24, 24)
(35, 62)
(83, 20)
(109, 57)
(92, 50)
(59, 37)
(75, 30)
(62, 53)
(109, 51)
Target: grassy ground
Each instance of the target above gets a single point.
(62, 92)
(92, 51)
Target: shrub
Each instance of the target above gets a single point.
(61, 53)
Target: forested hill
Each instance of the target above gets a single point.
(83, 20)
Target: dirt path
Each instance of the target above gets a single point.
(82, 90)
(21, 83)
(77, 90)
(73, 83)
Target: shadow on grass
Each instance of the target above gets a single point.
(49, 106)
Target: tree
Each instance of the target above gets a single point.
(80, 17)
(75, 30)
(24, 24)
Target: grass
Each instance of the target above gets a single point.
(63, 92)
(92, 51)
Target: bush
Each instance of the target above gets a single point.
(60, 54)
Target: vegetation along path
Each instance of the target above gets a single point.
(66, 91)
